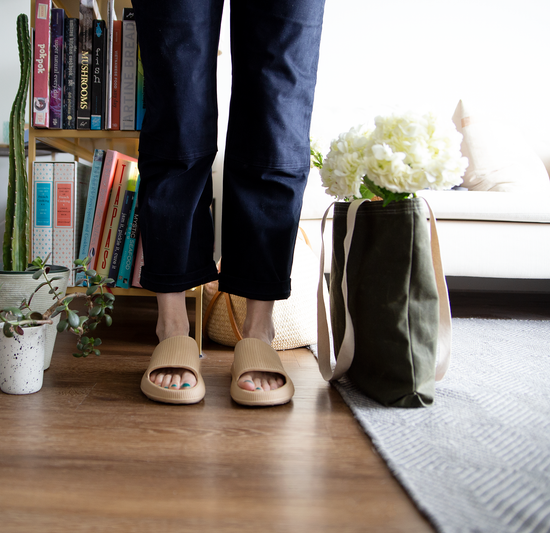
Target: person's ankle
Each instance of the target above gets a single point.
(165, 332)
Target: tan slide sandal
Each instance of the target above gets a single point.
(256, 355)
(175, 352)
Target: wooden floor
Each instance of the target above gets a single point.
(90, 453)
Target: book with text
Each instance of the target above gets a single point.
(42, 209)
(70, 74)
(129, 249)
(97, 167)
(99, 48)
(84, 88)
(70, 181)
(41, 65)
(56, 68)
(112, 158)
(111, 17)
(115, 73)
(125, 171)
(128, 72)
(127, 207)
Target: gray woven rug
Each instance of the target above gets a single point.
(479, 459)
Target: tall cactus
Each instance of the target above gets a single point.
(17, 234)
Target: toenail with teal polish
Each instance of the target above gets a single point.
(186, 385)
(173, 385)
(258, 388)
(248, 381)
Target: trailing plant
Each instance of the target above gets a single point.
(98, 302)
(17, 233)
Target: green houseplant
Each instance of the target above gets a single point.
(34, 296)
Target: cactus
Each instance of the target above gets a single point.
(17, 234)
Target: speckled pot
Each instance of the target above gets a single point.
(22, 361)
(18, 285)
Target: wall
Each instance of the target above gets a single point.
(397, 54)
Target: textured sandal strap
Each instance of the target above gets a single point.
(253, 354)
(176, 352)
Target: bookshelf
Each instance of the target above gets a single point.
(82, 143)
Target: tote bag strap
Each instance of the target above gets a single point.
(347, 348)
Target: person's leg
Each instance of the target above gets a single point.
(178, 142)
(275, 50)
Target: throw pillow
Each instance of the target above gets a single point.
(499, 160)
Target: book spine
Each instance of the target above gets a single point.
(128, 76)
(125, 169)
(98, 71)
(42, 216)
(97, 167)
(138, 265)
(140, 102)
(109, 64)
(83, 177)
(83, 108)
(105, 185)
(70, 74)
(56, 70)
(127, 204)
(128, 252)
(63, 219)
(41, 62)
(117, 54)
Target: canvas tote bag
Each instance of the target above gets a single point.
(389, 302)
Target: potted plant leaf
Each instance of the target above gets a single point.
(20, 368)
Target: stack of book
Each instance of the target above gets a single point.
(81, 212)
(78, 68)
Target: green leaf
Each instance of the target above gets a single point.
(15, 311)
(92, 326)
(8, 332)
(97, 352)
(90, 290)
(73, 318)
(97, 342)
(37, 274)
(62, 326)
(109, 296)
(94, 311)
(91, 273)
(36, 316)
(108, 320)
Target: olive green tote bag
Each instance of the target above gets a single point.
(389, 304)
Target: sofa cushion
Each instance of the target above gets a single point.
(489, 205)
(499, 160)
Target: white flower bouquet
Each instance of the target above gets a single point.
(401, 155)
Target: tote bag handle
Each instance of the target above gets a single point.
(347, 348)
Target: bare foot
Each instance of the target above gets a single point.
(172, 321)
(259, 325)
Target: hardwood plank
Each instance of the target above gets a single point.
(90, 452)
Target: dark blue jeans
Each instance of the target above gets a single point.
(275, 51)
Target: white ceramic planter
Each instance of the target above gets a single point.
(22, 361)
(14, 286)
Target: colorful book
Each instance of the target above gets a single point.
(70, 182)
(125, 171)
(111, 17)
(112, 158)
(70, 74)
(129, 249)
(99, 49)
(140, 102)
(42, 209)
(84, 88)
(138, 264)
(115, 83)
(56, 68)
(127, 205)
(128, 72)
(41, 62)
(93, 188)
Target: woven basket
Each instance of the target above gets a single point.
(295, 319)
